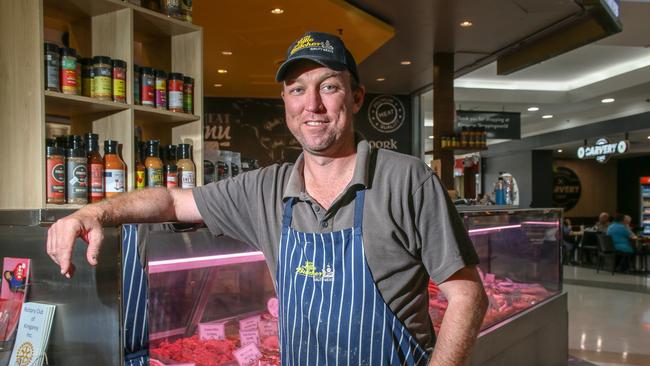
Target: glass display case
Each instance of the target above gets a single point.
(213, 303)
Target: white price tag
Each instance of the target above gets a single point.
(247, 355)
(268, 328)
(212, 331)
(249, 323)
(247, 337)
(273, 306)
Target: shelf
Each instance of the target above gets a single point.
(76, 105)
(66, 206)
(74, 10)
(150, 114)
(149, 25)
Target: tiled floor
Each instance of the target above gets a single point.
(609, 317)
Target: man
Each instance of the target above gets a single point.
(622, 236)
(351, 234)
(602, 224)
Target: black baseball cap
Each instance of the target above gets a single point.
(323, 48)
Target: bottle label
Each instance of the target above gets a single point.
(52, 72)
(155, 177)
(77, 179)
(139, 179)
(187, 179)
(175, 100)
(171, 180)
(55, 179)
(119, 89)
(102, 84)
(188, 99)
(96, 180)
(161, 94)
(114, 180)
(147, 90)
(69, 80)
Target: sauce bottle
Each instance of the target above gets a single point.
(153, 165)
(140, 182)
(114, 170)
(55, 175)
(96, 168)
(186, 168)
(171, 171)
(76, 163)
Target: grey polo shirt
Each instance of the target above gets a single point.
(411, 230)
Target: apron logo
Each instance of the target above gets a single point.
(309, 270)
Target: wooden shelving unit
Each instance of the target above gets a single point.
(95, 27)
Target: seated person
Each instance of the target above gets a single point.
(621, 236)
(602, 224)
(569, 241)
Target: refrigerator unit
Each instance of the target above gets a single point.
(645, 206)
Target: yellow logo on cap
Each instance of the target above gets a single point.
(304, 42)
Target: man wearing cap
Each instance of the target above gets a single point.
(351, 234)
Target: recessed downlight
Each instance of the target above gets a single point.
(533, 109)
(405, 62)
(607, 100)
(547, 116)
(277, 11)
(381, 79)
(217, 85)
(560, 150)
(226, 53)
(222, 71)
(431, 137)
(466, 23)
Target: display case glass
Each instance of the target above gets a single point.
(212, 300)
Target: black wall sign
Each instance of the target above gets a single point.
(566, 188)
(498, 125)
(256, 127)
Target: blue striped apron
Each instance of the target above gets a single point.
(331, 312)
(134, 300)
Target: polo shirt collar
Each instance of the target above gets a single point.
(296, 185)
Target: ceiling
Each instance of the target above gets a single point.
(379, 33)
(571, 86)
(258, 39)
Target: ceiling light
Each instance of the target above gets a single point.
(466, 23)
(607, 100)
(559, 150)
(381, 79)
(431, 137)
(218, 85)
(648, 137)
(277, 11)
(222, 71)
(547, 116)
(405, 62)
(533, 109)
(226, 53)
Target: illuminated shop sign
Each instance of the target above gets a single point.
(602, 150)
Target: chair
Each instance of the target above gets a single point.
(588, 244)
(605, 249)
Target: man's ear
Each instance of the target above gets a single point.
(358, 98)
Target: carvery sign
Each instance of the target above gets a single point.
(602, 150)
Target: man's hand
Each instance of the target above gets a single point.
(466, 308)
(63, 233)
(147, 205)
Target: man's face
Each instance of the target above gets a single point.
(320, 107)
(604, 218)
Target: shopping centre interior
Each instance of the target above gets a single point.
(530, 112)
